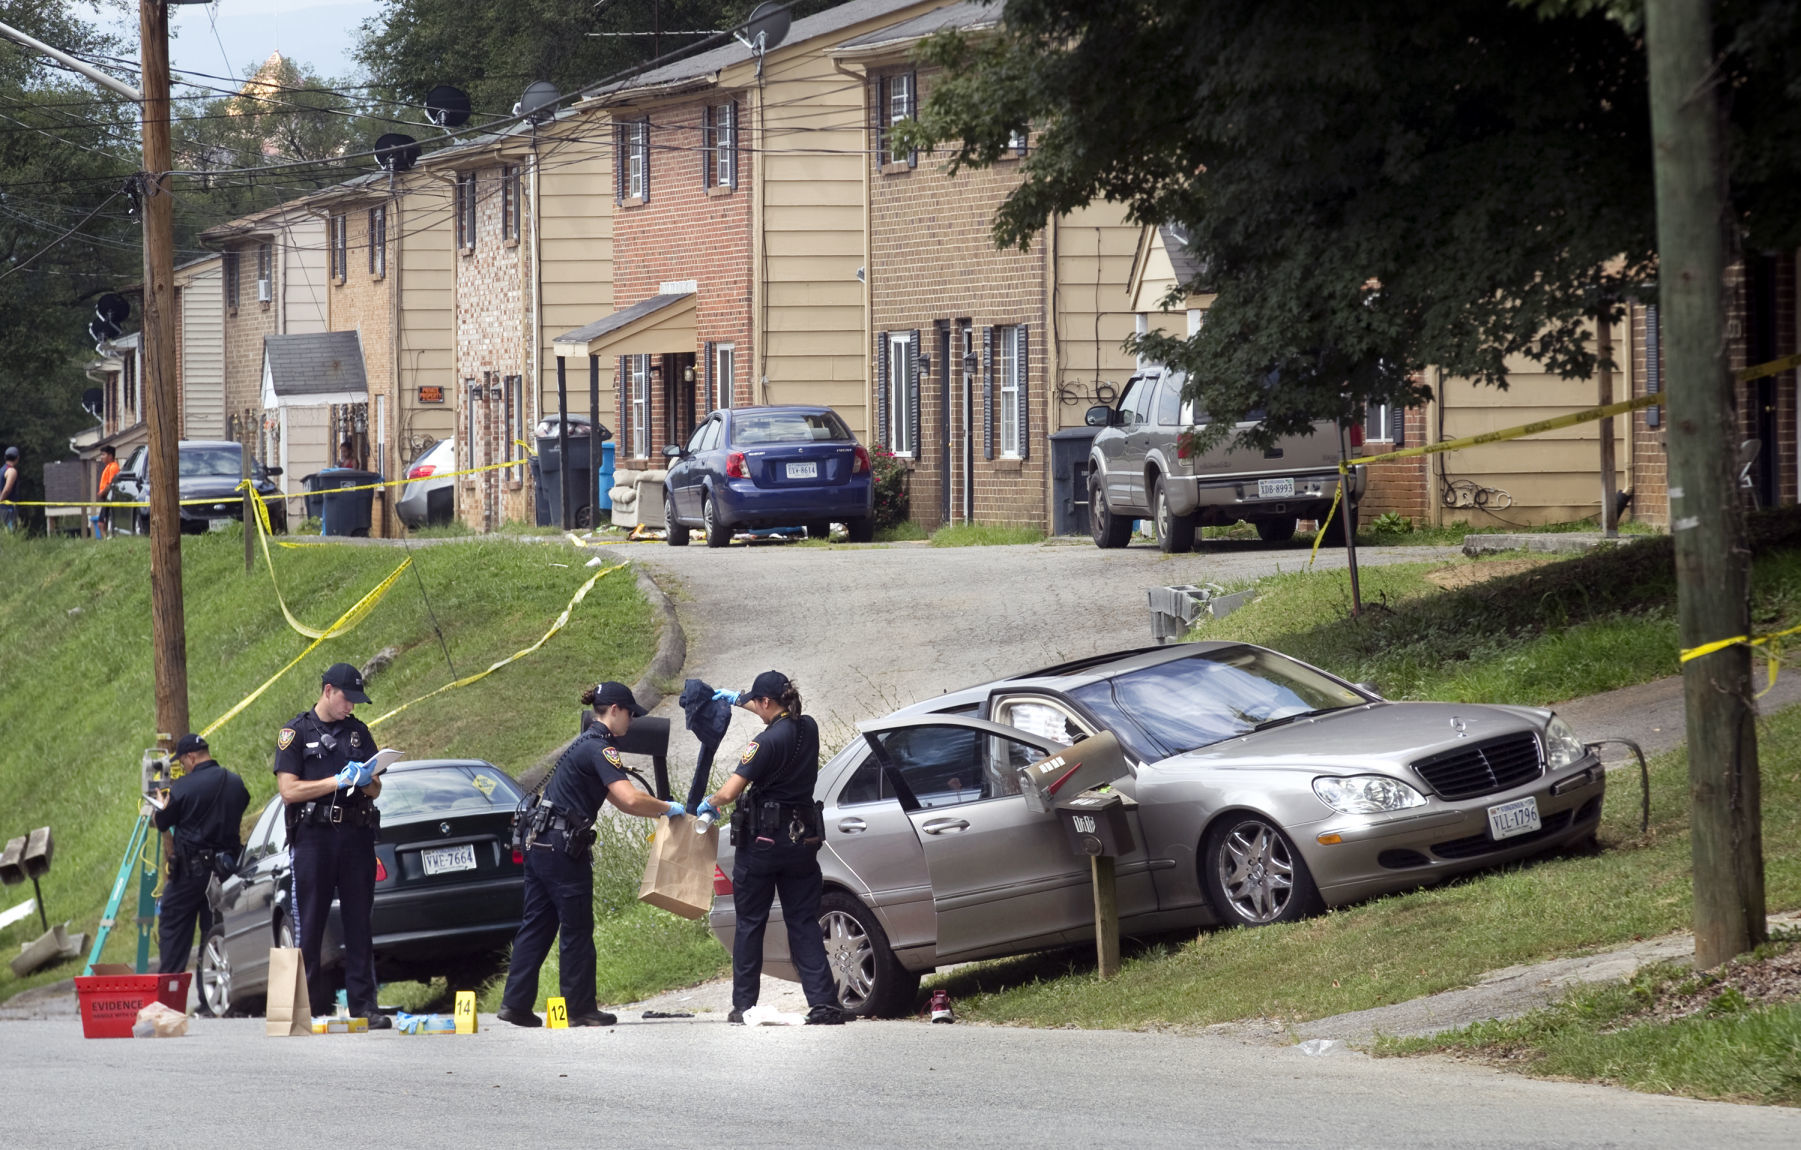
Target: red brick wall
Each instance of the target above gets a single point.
(688, 231)
(1404, 486)
(933, 258)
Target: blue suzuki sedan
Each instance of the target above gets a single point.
(751, 467)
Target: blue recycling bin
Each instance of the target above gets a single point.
(346, 512)
(603, 498)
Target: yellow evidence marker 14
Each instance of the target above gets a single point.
(465, 1012)
(556, 1013)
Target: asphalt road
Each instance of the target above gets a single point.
(869, 1084)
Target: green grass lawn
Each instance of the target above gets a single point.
(78, 708)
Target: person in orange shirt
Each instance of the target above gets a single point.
(108, 473)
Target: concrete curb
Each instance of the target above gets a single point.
(665, 664)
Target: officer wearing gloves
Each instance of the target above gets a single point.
(199, 824)
(332, 822)
(778, 832)
(559, 876)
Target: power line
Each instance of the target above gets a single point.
(19, 267)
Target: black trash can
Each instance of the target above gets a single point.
(581, 466)
(540, 497)
(349, 512)
(1069, 480)
(314, 501)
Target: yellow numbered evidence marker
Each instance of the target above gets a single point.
(557, 1013)
(465, 1012)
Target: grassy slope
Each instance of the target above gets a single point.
(77, 706)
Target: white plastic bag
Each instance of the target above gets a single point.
(165, 1022)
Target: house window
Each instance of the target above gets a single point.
(129, 378)
(231, 279)
(265, 273)
(720, 146)
(509, 202)
(340, 247)
(378, 241)
(901, 393)
(515, 426)
(1009, 373)
(1382, 421)
(896, 99)
(639, 366)
(724, 365)
(632, 161)
(1018, 141)
(465, 209)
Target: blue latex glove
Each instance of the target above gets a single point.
(347, 777)
(677, 810)
(727, 694)
(706, 810)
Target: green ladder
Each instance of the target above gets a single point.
(142, 855)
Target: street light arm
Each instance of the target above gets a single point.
(68, 61)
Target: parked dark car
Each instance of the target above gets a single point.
(448, 895)
(1138, 469)
(751, 467)
(208, 469)
(1262, 790)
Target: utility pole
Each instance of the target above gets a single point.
(1706, 518)
(168, 619)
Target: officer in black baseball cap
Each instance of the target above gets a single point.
(559, 873)
(322, 771)
(200, 822)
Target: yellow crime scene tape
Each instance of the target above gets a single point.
(110, 503)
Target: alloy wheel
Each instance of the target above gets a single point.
(1256, 871)
(850, 957)
(215, 975)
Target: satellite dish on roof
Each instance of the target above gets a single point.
(766, 27)
(91, 399)
(447, 107)
(396, 151)
(113, 308)
(539, 102)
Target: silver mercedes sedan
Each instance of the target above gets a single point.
(1261, 790)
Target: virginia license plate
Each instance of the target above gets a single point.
(1516, 818)
(808, 470)
(442, 860)
(1275, 488)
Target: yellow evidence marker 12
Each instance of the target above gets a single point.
(465, 1012)
(556, 1013)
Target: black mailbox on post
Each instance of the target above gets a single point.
(648, 736)
(1096, 824)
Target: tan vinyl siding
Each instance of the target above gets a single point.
(301, 259)
(575, 207)
(203, 352)
(1094, 249)
(420, 239)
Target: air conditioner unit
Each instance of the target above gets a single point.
(263, 293)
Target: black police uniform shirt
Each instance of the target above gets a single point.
(205, 808)
(782, 763)
(311, 749)
(583, 774)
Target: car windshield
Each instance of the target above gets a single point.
(1187, 703)
(220, 461)
(759, 427)
(442, 790)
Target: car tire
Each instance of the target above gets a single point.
(474, 973)
(862, 530)
(214, 975)
(1335, 530)
(718, 534)
(869, 980)
(1276, 530)
(278, 519)
(820, 529)
(1175, 533)
(1108, 531)
(674, 533)
(1253, 874)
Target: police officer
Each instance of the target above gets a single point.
(330, 794)
(199, 823)
(778, 833)
(559, 878)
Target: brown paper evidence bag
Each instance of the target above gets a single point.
(679, 876)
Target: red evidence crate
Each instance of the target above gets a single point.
(110, 1002)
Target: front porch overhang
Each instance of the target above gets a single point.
(654, 326)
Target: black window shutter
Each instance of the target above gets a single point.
(644, 150)
(987, 393)
(913, 389)
(881, 387)
(625, 406)
(708, 140)
(1023, 360)
(879, 121)
(619, 164)
(913, 113)
(732, 137)
(1653, 363)
(712, 385)
(1397, 423)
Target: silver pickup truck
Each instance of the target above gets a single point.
(1136, 471)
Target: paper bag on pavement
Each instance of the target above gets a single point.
(679, 876)
(289, 1009)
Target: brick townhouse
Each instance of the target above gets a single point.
(979, 356)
